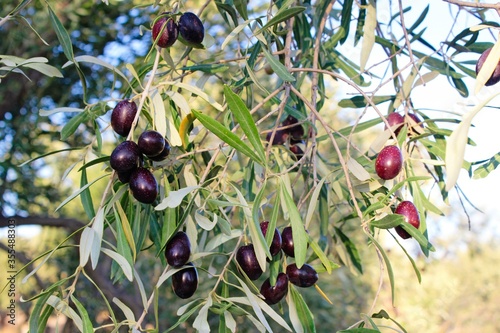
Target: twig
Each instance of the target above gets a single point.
(408, 43)
(482, 5)
(335, 145)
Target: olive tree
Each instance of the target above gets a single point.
(234, 184)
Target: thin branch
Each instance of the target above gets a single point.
(481, 5)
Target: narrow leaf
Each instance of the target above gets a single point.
(417, 235)
(98, 227)
(120, 260)
(72, 125)
(86, 323)
(174, 198)
(368, 34)
(301, 312)
(234, 33)
(227, 136)
(45, 69)
(388, 221)
(129, 314)
(390, 272)
(258, 240)
(127, 231)
(48, 154)
(278, 67)
(160, 120)
(298, 232)
(197, 91)
(281, 16)
(36, 324)
(487, 167)
(63, 307)
(255, 305)
(86, 197)
(455, 148)
(75, 194)
(361, 102)
(86, 242)
(96, 61)
(201, 321)
(358, 170)
(62, 34)
(244, 119)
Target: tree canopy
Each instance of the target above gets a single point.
(297, 113)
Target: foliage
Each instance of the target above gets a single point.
(220, 105)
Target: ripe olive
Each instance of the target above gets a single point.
(191, 28)
(143, 185)
(273, 294)
(393, 119)
(125, 157)
(389, 162)
(280, 137)
(151, 143)
(495, 76)
(410, 213)
(287, 242)
(123, 116)
(168, 29)
(247, 260)
(178, 249)
(124, 176)
(164, 153)
(185, 281)
(297, 131)
(275, 247)
(297, 150)
(304, 277)
(416, 119)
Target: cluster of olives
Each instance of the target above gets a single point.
(306, 276)
(166, 30)
(495, 76)
(177, 253)
(293, 132)
(388, 165)
(127, 158)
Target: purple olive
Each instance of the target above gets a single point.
(304, 277)
(124, 176)
(416, 119)
(393, 119)
(178, 249)
(164, 153)
(247, 260)
(297, 131)
(410, 213)
(280, 137)
(168, 29)
(275, 247)
(296, 150)
(273, 294)
(287, 244)
(123, 116)
(185, 281)
(495, 76)
(125, 157)
(151, 143)
(389, 162)
(143, 185)
(191, 28)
